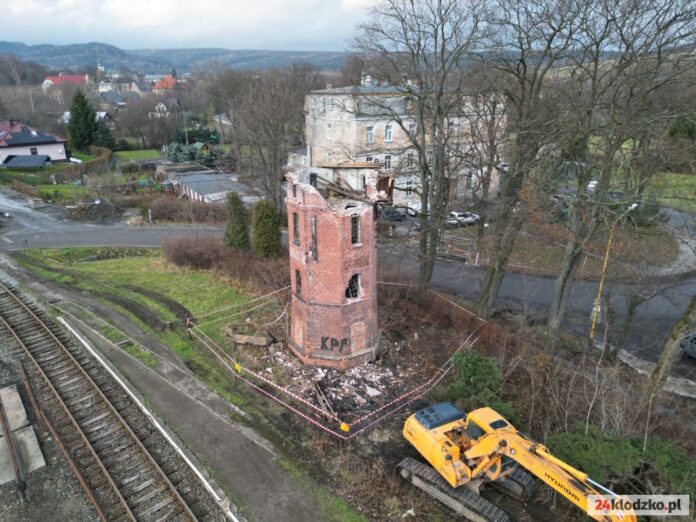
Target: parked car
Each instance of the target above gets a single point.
(5, 215)
(457, 219)
(688, 345)
(417, 224)
(393, 214)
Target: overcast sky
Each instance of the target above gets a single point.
(236, 24)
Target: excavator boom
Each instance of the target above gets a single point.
(482, 448)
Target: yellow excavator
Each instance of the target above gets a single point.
(468, 452)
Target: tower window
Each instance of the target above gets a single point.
(294, 190)
(355, 230)
(298, 283)
(295, 228)
(313, 222)
(353, 288)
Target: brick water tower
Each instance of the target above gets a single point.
(333, 263)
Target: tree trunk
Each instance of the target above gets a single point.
(562, 286)
(668, 354)
(495, 273)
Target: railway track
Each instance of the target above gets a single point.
(133, 472)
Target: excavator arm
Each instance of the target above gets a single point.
(535, 458)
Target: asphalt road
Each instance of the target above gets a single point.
(46, 227)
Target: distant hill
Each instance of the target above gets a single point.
(75, 56)
(187, 59)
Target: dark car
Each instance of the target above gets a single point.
(688, 345)
(417, 224)
(393, 214)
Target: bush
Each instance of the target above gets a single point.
(477, 382)
(237, 228)
(166, 208)
(266, 237)
(620, 460)
(212, 254)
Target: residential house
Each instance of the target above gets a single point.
(112, 100)
(72, 79)
(359, 124)
(101, 116)
(18, 139)
(165, 85)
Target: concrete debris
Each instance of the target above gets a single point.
(359, 389)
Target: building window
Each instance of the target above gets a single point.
(412, 130)
(33, 151)
(298, 283)
(353, 288)
(294, 190)
(409, 188)
(364, 182)
(313, 222)
(323, 105)
(387, 162)
(370, 135)
(355, 230)
(328, 132)
(295, 228)
(329, 156)
(368, 159)
(410, 159)
(313, 179)
(332, 104)
(388, 132)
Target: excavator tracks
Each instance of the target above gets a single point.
(519, 485)
(464, 501)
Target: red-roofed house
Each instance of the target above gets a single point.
(17, 139)
(62, 78)
(164, 85)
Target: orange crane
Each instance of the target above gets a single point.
(466, 452)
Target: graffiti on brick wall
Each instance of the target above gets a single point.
(330, 344)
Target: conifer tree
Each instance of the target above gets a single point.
(237, 227)
(266, 227)
(83, 122)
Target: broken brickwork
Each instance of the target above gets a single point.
(333, 265)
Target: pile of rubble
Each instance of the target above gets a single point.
(359, 389)
(100, 211)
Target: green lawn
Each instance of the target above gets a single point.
(82, 156)
(65, 194)
(135, 155)
(674, 190)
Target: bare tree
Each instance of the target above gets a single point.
(528, 38)
(486, 123)
(613, 87)
(421, 48)
(272, 121)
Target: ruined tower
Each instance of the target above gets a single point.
(333, 263)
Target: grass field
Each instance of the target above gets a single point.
(135, 155)
(63, 194)
(674, 190)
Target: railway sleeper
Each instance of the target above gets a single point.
(159, 506)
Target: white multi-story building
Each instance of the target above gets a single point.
(375, 123)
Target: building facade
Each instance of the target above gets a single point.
(333, 263)
(18, 139)
(375, 123)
